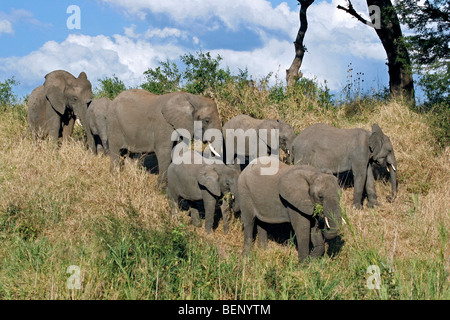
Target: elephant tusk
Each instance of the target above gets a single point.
(327, 223)
(393, 167)
(213, 150)
(343, 221)
(232, 197)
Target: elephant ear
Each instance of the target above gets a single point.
(54, 86)
(293, 186)
(178, 112)
(56, 97)
(82, 76)
(376, 140)
(268, 125)
(209, 178)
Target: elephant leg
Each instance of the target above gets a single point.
(317, 241)
(370, 188)
(209, 201)
(195, 217)
(262, 236)
(359, 177)
(53, 125)
(302, 229)
(104, 141)
(226, 216)
(163, 154)
(67, 128)
(248, 221)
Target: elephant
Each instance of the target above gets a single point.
(54, 106)
(291, 194)
(96, 131)
(345, 150)
(141, 122)
(250, 149)
(198, 180)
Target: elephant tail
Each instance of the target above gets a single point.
(26, 132)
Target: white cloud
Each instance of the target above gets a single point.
(155, 33)
(6, 27)
(233, 14)
(98, 56)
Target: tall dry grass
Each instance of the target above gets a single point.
(61, 206)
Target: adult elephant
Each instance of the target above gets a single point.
(96, 130)
(54, 106)
(195, 180)
(289, 194)
(243, 137)
(141, 122)
(344, 150)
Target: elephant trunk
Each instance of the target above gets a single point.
(392, 167)
(393, 180)
(332, 212)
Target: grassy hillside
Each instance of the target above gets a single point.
(61, 207)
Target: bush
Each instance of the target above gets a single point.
(7, 96)
(109, 87)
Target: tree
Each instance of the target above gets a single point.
(203, 72)
(429, 46)
(110, 87)
(162, 79)
(387, 26)
(7, 96)
(293, 73)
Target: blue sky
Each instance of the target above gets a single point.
(126, 38)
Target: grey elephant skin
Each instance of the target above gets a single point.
(290, 195)
(141, 122)
(96, 131)
(344, 150)
(245, 122)
(54, 106)
(199, 181)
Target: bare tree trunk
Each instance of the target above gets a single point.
(293, 73)
(388, 30)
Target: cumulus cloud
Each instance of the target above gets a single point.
(98, 56)
(233, 14)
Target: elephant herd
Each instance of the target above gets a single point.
(241, 158)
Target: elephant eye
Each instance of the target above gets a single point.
(74, 98)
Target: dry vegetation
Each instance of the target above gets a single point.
(60, 206)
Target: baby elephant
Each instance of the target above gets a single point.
(96, 125)
(194, 180)
(290, 195)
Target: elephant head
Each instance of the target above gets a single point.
(68, 94)
(305, 187)
(183, 109)
(382, 152)
(285, 132)
(220, 179)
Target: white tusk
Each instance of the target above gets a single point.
(213, 150)
(343, 221)
(327, 223)
(232, 197)
(393, 167)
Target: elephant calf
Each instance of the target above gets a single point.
(195, 180)
(96, 125)
(289, 195)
